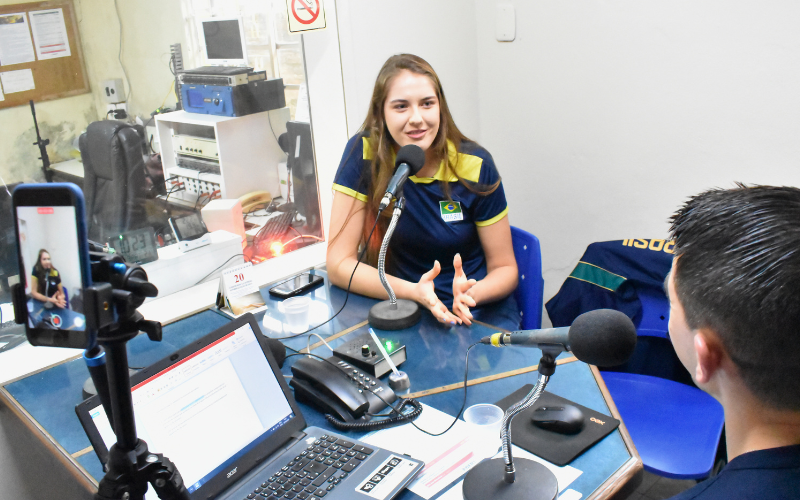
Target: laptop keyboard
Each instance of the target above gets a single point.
(315, 472)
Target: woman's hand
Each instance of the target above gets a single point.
(427, 297)
(461, 285)
(59, 300)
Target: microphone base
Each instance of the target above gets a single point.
(533, 481)
(385, 316)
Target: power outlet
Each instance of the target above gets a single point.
(112, 108)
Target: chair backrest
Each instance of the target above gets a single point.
(655, 313)
(114, 185)
(530, 290)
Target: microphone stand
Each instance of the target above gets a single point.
(392, 314)
(498, 478)
(42, 143)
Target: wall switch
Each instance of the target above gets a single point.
(505, 22)
(113, 90)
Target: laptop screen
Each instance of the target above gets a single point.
(208, 409)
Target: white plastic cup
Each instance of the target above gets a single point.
(486, 421)
(295, 309)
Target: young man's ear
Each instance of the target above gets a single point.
(709, 353)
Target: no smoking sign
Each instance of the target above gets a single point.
(305, 15)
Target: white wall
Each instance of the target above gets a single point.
(442, 32)
(604, 116)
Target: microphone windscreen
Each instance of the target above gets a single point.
(603, 337)
(412, 155)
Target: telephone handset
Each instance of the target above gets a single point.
(336, 387)
(254, 200)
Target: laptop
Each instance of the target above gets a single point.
(221, 410)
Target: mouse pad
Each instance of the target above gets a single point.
(559, 449)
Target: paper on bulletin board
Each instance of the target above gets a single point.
(50, 34)
(17, 81)
(15, 40)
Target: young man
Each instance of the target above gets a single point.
(734, 292)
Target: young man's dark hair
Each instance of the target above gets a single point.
(738, 273)
(735, 323)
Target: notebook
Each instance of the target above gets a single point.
(221, 410)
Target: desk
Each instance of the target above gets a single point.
(46, 400)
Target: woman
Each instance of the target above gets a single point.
(46, 282)
(451, 251)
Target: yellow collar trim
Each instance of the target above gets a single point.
(468, 166)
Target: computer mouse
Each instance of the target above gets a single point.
(561, 418)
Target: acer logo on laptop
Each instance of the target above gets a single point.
(232, 472)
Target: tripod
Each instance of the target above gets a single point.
(110, 307)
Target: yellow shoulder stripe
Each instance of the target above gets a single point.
(482, 223)
(350, 192)
(468, 168)
(367, 149)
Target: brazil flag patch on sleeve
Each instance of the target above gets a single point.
(451, 211)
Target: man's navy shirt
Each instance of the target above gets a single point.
(772, 474)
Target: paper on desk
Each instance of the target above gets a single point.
(564, 475)
(446, 457)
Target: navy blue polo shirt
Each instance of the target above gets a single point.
(432, 227)
(772, 474)
(49, 285)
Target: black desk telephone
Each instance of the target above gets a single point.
(339, 388)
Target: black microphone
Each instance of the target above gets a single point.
(603, 337)
(410, 159)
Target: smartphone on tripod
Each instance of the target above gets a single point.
(54, 267)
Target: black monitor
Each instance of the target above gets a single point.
(304, 173)
(224, 41)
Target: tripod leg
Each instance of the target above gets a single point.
(129, 473)
(167, 481)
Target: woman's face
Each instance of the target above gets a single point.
(411, 110)
(45, 260)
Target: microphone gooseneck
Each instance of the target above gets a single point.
(396, 314)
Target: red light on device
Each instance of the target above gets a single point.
(276, 247)
(44, 210)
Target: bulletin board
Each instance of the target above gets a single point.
(40, 53)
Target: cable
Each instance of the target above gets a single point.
(5, 185)
(349, 283)
(308, 344)
(171, 90)
(463, 403)
(217, 269)
(119, 54)
(269, 119)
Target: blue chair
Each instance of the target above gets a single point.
(676, 428)
(530, 289)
